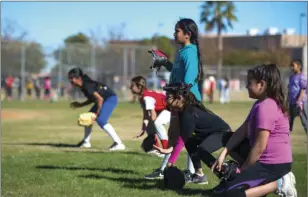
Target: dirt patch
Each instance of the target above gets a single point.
(19, 115)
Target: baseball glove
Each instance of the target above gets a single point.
(86, 119)
(159, 59)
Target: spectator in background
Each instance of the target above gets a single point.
(227, 90)
(221, 89)
(29, 87)
(37, 87)
(9, 86)
(297, 94)
(3, 95)
(211, 89)
(224, 88)
(47, 87)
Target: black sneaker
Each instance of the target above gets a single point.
(195, 178)
(156, 174)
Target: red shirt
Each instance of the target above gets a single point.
(153, 100)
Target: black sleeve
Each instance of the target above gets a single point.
(187, 125)
(89, 89)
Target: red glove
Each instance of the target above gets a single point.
(159, 59)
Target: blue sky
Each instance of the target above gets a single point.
(50, 22)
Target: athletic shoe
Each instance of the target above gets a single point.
(287, 188)
(156, 153)
(187, 175)
(84, 144)
(156, 174)
(115, 146)
(199, 179)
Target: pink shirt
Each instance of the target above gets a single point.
(267, 115)
(47, 84)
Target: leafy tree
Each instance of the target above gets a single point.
(218, 15)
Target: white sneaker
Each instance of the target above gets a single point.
(156, 153)
(117, 146)
(288, 186)
(85, 145)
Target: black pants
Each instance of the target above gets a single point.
(295, 111)
(255, 175)
(202, 148)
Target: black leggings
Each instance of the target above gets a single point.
(255, 175)
(202, 148)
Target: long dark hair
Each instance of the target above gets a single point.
(141, 82)
(271, 75)
(189, 26)
(182, 89)
(299, 63)
(76, 73)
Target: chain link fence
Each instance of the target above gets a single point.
(112, 64)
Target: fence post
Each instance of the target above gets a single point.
(133, 57)
(305, 59)
(93, 61)
(60, 74)
(22, 71)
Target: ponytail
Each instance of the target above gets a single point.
(200, 69)
(76, 73)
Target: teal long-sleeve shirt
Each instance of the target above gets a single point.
(185, 68)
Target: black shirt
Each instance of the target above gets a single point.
(89, 87)
(199, 123)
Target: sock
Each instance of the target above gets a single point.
(156, 142)
(190, 165)
(165, 162)
(279, 183)
(164, 143)
(199, 174)
(111, 132)
(87, 134)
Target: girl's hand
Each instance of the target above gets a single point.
(94, 118)
(299, 105)
(75, 104)
(140, 134)
(218, 163)
(163, 151)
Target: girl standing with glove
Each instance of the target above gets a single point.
(105, 101)
(187, 68)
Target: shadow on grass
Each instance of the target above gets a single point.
(142, 184)
(113, 170)
(109, 152)
(57, 145)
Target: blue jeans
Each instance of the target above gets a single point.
(108, 106)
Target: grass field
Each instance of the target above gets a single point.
(38, 157)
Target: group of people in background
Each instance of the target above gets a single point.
(260, 148)
(33, 87)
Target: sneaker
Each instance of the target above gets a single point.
(156, 174)
(84, 144)
(287, 188)
(156, 153)
(199, 179)
(115, 146)
(187, 175)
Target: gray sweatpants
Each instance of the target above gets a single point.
(295, 111)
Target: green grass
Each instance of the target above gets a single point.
(37, 159)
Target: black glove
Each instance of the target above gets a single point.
(159, 59)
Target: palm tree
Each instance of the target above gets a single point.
(218, 15)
